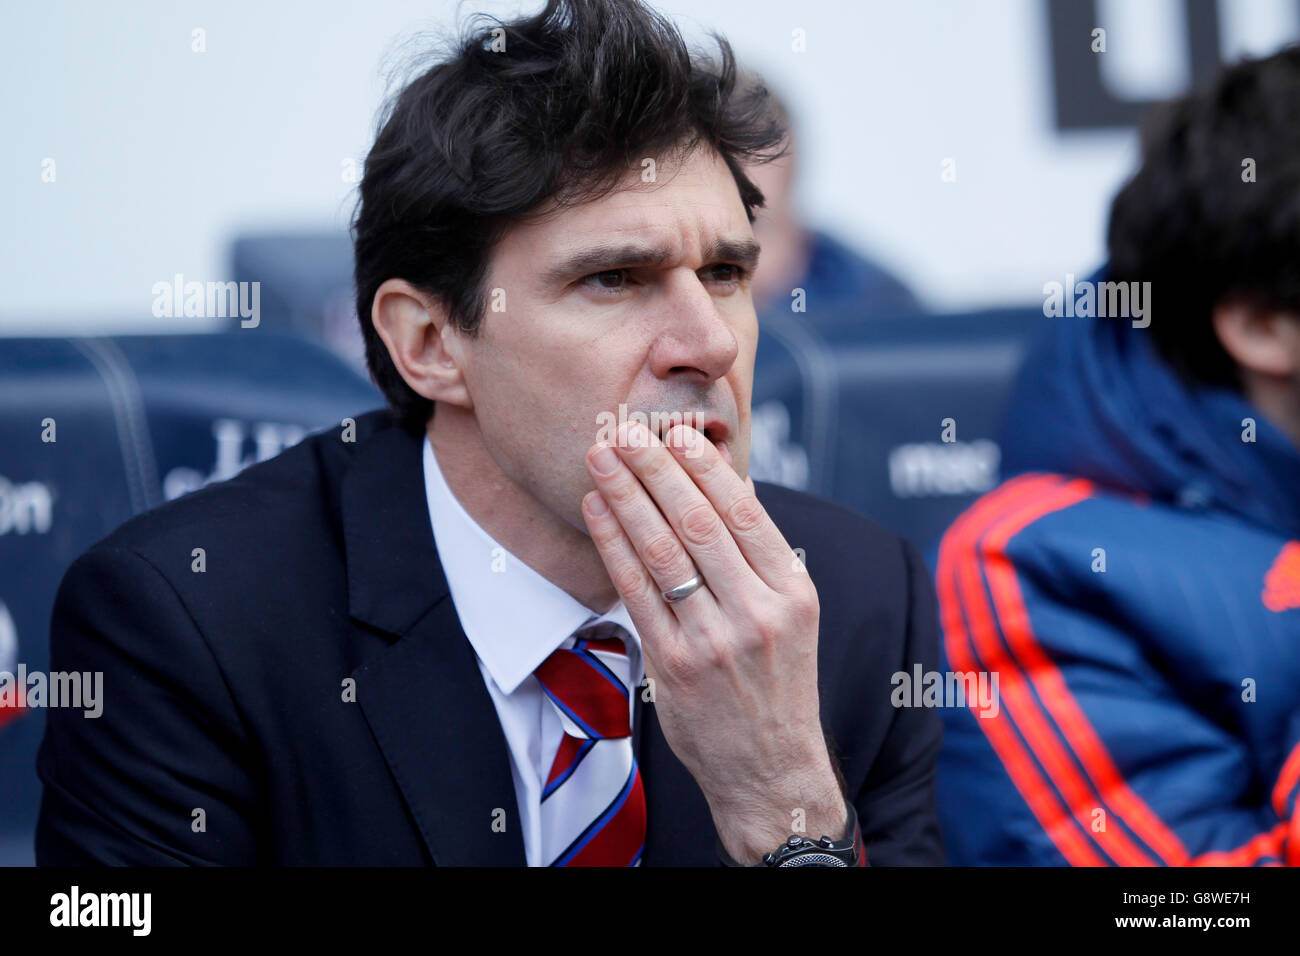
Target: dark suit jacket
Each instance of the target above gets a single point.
(224, 688)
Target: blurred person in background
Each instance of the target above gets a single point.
(1135, 588)
(796, 255)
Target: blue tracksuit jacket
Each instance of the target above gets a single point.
(1135, 589)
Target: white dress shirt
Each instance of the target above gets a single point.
(514, 618)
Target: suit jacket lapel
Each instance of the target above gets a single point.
(423, 695)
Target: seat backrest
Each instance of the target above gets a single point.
(894, 417)
(95, 430)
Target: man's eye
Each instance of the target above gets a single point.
(612, 279)
(727, 272)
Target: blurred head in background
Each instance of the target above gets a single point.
(777, 226)
(1212, 220)
(832, 275)
(1197, 402)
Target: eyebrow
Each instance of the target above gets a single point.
(605, 258)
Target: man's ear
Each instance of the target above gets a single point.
(422, 342)
(1260, 340)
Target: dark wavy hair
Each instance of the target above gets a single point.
(1188, 223)
(551, 109)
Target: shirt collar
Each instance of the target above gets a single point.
(513, 616)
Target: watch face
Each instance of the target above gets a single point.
(813, 859)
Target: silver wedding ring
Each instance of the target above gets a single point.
(683, 590)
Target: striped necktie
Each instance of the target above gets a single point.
(593, 804)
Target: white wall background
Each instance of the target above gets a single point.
(163, 154)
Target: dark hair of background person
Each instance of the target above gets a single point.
(1188, 223)
(581, 93)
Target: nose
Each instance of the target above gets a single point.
(697, 339)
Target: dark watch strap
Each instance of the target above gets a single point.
(789, 854)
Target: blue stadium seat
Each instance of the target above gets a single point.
(137, 421)
(896, 418)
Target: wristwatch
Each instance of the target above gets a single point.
(801, 851)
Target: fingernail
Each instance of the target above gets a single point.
(597, 504)
(604, 460)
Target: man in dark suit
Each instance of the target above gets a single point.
(508, 621)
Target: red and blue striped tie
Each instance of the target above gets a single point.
(593, 805)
